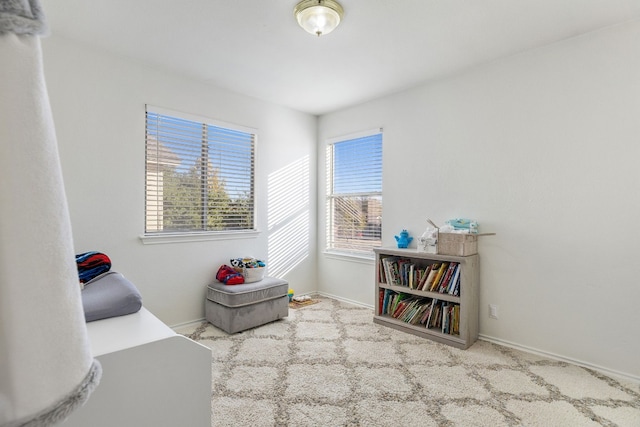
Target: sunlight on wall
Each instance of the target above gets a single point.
(288, 217)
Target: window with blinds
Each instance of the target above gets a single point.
(199, 175)
(354, 205)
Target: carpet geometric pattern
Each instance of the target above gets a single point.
(328, 364)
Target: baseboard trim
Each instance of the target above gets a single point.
(339, 298)
(188, 323)
(606, 371)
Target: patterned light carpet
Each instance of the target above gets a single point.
(328, 364)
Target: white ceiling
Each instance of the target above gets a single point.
(256, 48)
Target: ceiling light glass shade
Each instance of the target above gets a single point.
(318, 17)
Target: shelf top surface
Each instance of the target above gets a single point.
(425, 294)
(413, 253)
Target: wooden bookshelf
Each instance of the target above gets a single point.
(466, 332)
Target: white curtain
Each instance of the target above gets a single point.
(46, 366)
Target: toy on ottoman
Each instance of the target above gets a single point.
(235, 308)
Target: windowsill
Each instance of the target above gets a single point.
(352, 257)
(157, 239)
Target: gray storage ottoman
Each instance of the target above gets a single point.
(235, 308)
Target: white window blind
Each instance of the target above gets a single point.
(199, 175)
(354, 205)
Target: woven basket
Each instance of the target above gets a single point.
(457, 244)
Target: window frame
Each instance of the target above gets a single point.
(331, 249)
(150, 236)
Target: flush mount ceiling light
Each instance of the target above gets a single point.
(318, 17)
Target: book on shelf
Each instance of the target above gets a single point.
(444, 283)
(405, 264)
(401, 306)
(384, 272)
(445, 319)
(419, 314)
(400, 271)
(423, 278)
(381, 275)
(413, 314)
(432, 313)
(432, 274)
(390, 301)
(387, 270)
(425, 316)
(394, 274)
(418, 275)
(411, 273)
(410, 309)
(404, 307)
(441, 276)
(441, 316)
(455, 287)
(436, 281)
(395, 301)
(448, 320)
(385, 301)
(413, 310)
(455, 281)
(456, 320)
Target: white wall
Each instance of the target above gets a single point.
(541, 148)
(98, 104)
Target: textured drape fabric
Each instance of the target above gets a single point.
(46, 366)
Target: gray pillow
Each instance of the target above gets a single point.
(109, 295)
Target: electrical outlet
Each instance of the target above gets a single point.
(493, 311)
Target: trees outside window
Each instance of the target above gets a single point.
(199, 175)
